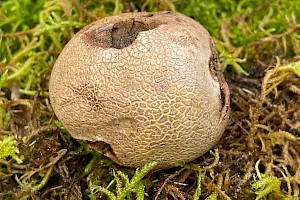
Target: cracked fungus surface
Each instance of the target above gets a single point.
(142, 84)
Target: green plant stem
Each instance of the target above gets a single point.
(44, 180)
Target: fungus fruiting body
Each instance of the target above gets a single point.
(142, 87)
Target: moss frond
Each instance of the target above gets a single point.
(124, 186)
(8, 148)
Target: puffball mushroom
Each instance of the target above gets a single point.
(142, 87)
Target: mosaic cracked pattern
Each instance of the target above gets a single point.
(151, 98)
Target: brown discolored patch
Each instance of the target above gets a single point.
(89, 93)
(214, 63)
(120, 34)
(216, 72)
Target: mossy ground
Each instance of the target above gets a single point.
(257, 158)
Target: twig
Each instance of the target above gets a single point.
(167, 180)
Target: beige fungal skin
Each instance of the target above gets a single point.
(142, 87)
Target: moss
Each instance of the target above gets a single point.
(261, 138)
(8, 148)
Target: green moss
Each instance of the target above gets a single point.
(249, 36)
(268, 186)
(124, 186)
(8, 148)
(244, 26)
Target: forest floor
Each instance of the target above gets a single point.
(258, 156)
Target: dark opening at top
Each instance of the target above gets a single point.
(119, 35)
